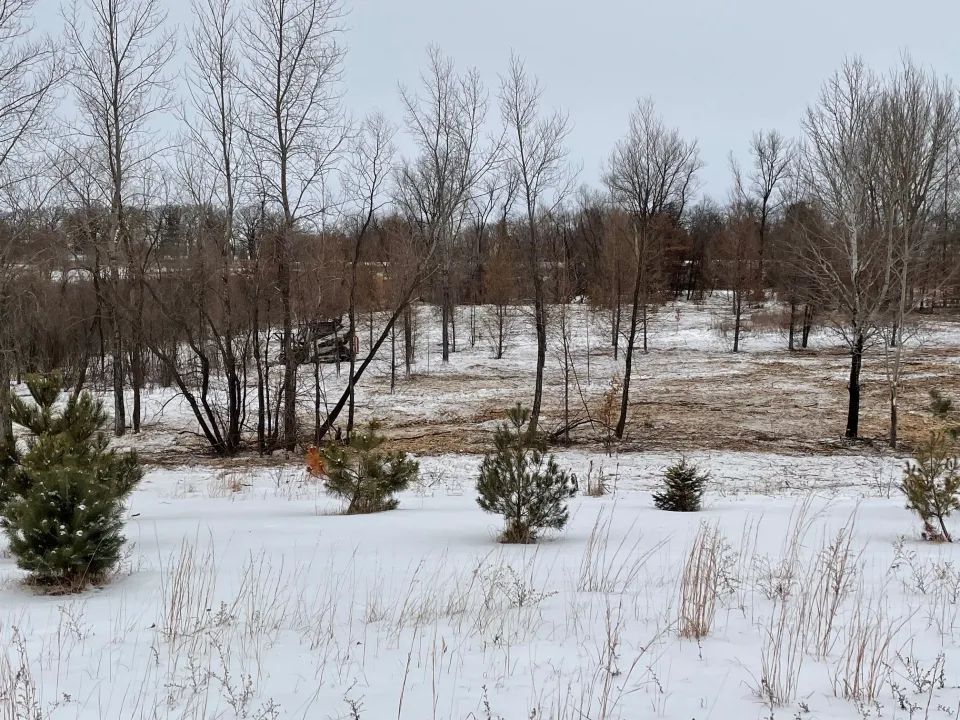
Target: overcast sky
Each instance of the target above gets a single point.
(716, 69)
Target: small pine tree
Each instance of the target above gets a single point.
(364, 476)
(62, 501)
(683, 487)
(932, 485)
(940, 405)
(520, 483)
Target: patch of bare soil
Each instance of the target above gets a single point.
(761, 402)
(794, 403)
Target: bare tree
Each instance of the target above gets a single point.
(875, 164)
(370, 165)
(650, 175)
(411, 259)
(563, 318)
(500, 294)
(846, 258)
(201, 304)
(703, 229)
(296, 130)
(917, 119)
(536, 153)
(793, 283)
(497, 191)
(772, 158)
(120, 83)
(616, 258)
(435, 189)
(30, 72)
(737, 254)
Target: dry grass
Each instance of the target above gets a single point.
(597, 483)
(696, 395)
(868, 644)
(778, 578)
(19, 696)
(833, 578)
(775, 320)
(228, 483)
(187, 592)
(784, 640)
(700, 585)
(612, 566)
(785, 635)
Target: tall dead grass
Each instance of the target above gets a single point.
(187, 591)
(832, 579)
(19, 695)
(868, 642)
(784, 641)
(609, 565)
(700, 585)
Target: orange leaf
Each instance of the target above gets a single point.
(315, 463)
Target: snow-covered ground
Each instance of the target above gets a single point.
(245, 596)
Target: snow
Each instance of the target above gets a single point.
(688, 392)
(290, 610)
(245, 594)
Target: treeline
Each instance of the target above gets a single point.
(210, 261)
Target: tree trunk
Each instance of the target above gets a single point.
(98, 312)
(137, 359)
(317, 400)
(541, 327)
(628, 360)
(289, 356)
(351, 387)
(261, 382)
(894, 396)
(943, 528)
(737, 311)
(566, 392)
(6, 422)
(236, 397)
(393, 359)
(445, 322)
(807, 322)
(136, 373)
(853, 408)
(793, 315)
(408, 348)
(119, 407)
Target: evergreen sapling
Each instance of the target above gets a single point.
(62, 501)
(365, 476)
(932, 485)
(519, 482)
(683, 488)
(942, 407)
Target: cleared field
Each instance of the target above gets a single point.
(689, 391)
